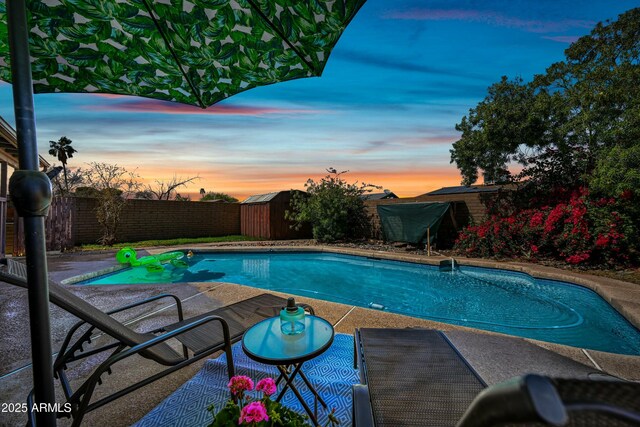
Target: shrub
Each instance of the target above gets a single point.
(211, 195)
(582, 230)
(334, 208)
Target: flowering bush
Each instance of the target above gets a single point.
(580, 230)
(241, 411)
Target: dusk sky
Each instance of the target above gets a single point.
(400, 78)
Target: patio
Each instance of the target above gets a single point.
(494, 356)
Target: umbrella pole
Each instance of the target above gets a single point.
(31, 194)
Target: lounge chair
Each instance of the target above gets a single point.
(203, 335)
(535, 399)
(412, 377)
(416, 377)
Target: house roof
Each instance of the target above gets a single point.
(261, 198)
(379, 196)
(9, 146)
(462, 189)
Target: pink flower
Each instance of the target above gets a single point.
(578, 258)
(537, 219)
(254, 412)
(267, 386)
(534, 249)
(239, 384)
(554, 216)
(602, 241)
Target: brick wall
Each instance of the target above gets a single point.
(160, 219)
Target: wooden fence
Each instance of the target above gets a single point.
(3, 208)
(58, 225)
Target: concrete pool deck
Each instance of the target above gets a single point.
(496, 357)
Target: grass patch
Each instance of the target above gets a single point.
(167, 242)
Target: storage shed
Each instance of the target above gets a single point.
(262, 216)
(474, 196)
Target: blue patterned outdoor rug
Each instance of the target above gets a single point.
(331, 373)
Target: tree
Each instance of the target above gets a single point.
(576, 134)
(180, 198)
(62, 150)
(86, 192)
(113, 184)
(617, 172)
(334, 208)
(495, 131)
(557, 126)
(75, 179)
(144, 195)
(211, 195)
(166, 190)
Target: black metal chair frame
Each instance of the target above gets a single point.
(73, 350)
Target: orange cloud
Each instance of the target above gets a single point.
(244, 182)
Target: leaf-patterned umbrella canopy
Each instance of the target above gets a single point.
(194, 52)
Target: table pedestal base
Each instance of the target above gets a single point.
(289, 376)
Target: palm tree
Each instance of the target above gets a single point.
(63, 150)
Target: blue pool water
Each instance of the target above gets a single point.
(490, 299)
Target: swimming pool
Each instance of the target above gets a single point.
(495, 300)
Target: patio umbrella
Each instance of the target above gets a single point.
(194, 52)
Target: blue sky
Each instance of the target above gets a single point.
(403, 74)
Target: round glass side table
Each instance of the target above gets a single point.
(265, 343)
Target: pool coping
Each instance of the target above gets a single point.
(622, 296)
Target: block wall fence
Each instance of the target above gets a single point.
(72, 220)
(159, 219)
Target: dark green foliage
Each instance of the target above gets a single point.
(226, 417)
(617, 171)
(279, 416)
(494, 131)
(211, 195)
(62, 150)
(334, 208)
(573, 130)
(558, 126)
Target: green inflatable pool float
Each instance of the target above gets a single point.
(153, 263)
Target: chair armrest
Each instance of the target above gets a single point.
(531, 398)
(361, 414)
(172, 334)
(308, 308)
(87, 334)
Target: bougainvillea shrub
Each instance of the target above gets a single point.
(578, 229)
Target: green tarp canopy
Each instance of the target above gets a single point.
(408, 222)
